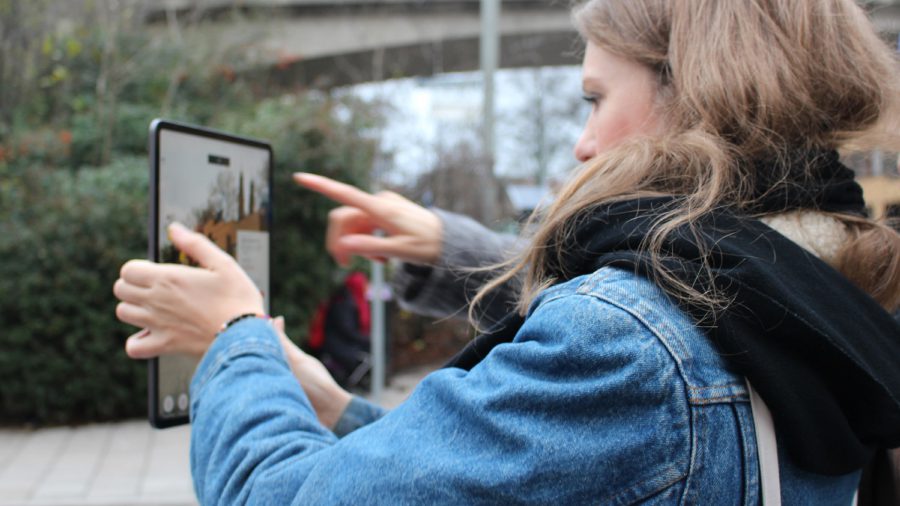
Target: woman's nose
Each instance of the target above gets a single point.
(585, 148)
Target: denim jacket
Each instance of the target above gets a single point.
(607, 395)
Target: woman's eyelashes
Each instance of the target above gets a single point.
(592, 99)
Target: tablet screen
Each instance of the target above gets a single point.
(219, 187)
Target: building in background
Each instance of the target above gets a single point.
(882, 194)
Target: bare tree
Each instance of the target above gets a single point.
(37, 35)
(456, 184)
(543, 127)
(23, 29)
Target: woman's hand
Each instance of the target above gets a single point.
(327, 397)
(182, 308)
(412, 233)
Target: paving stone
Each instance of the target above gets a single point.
(38, 453)
(11, 442)
(74, 469)
(121, 470)
(118, 464)
(168, 463)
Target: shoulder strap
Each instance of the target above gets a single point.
(767, 449)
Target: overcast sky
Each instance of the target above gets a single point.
(426, 115)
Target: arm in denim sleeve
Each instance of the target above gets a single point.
(571, 412)
(358, 413)
(445, 288)
(249, 416)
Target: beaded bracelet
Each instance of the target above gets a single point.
(240, 317)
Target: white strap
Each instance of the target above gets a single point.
(767, 449)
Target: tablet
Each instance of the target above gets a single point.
(221, 186)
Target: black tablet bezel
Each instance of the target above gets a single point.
(156, 127)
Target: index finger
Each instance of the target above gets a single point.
(144, 273)
(139, 272)
(339, 192)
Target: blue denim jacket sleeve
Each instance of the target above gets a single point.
(584, 406)
(358, 413)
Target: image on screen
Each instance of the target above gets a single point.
(220, 189)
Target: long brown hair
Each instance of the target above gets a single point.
(739, 81)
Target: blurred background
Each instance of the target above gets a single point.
(381, 94)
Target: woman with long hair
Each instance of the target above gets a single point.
(702, 314)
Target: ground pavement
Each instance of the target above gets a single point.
(122, 464)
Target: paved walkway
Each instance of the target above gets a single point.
(122, 464)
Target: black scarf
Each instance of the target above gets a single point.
(823, 355)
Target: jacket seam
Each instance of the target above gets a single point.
(673, 468)
(230, 352)
(739, 396)
(685, 385)
(749, 456)
(725, 399)
(695, 421)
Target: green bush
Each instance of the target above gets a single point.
(63, 238)
(66, 226)
(64, 234)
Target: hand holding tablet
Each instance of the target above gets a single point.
(182, 308)
(211, 266)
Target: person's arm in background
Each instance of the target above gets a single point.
(445, 287)
(437, 249)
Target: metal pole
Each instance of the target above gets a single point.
(377, 295)
(378, 334)
(490, 57)
(877, 163)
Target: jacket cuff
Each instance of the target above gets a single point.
(251, 336)
(358, 413)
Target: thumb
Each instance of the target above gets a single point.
(278, 323)
(198, 247)
(143, 345)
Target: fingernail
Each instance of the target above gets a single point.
(176, 228)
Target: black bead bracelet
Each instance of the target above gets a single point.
(240, 317)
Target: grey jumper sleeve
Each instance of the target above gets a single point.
(445, 289)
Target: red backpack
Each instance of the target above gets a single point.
(317, 327)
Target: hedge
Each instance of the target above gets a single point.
(61, 353)
(65, 233)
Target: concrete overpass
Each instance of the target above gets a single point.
(309, 43)
(321, 44)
